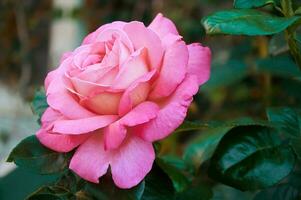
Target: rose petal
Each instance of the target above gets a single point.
(58, 142)
(173, 69)
(132, 162)
(131, 70)
(172, 113)
(199, 62)
(136, 93)
(163, 26)
(143, 37)
(116, 132)
(85, 125)
(90, 160)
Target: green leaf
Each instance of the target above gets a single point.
(106, 190)
(178, 178)
(251, 3)
(224, 192)
(202, 148)
(251, 157)
(196, 192)
(39, 103)
(245, 22)
(31, 154)
(298, 11)
(222, 75)
(51, 193)
(282, 66)
(286, 119)
(158, 186)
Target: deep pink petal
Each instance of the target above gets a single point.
(116, 132)
(58, 142)
(132, 162)
(173, 69)
(114, 135)
(172, 113)
(163, 26)
(199, 62)
(144, 37)
(90, 160)
(85, 125)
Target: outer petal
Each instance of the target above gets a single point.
(172, 113)
(116, 132)
(173, 69)
(85, 125)
(199, 62)
(144, 37)
(163, 26)
(58, 142)
(132, 162)
(90, 160)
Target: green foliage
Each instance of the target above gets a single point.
(248, 158)
(245, 22)
(39, 103)
(31, 154)
(251, 4)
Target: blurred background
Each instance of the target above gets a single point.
(246, 77)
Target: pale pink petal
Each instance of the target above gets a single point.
(144, 37)
(58, 142)
(134, 67)
(90, 160)
(173, 69)
(172, 113)
(85, 125)
(65, 103)
(116, 132)
(132, 162)
(199, 62)
(163, 26)
(114, 135)
(105, 103)
(136, 93)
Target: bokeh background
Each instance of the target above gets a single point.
(33, 34)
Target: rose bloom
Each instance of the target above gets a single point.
(125, 87)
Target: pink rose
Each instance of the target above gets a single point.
(125, 87)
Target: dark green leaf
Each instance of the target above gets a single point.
(251, 3)
(278, 44)
(298, 11)
(224, 192)
(158, 186)
(202, 148)
(286, 119)
(39, 103)
(106, 190)
(198, 192)
(251, 157)
(31, 154)
(282, 66)
(51, 193)
(245, 22)
(178, 178)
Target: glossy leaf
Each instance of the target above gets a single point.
(197, 192)
(202, 148)
(178, 178)
(31, 154)
(251, 157)
(245, 22)
(251, 3)
(158, 186)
